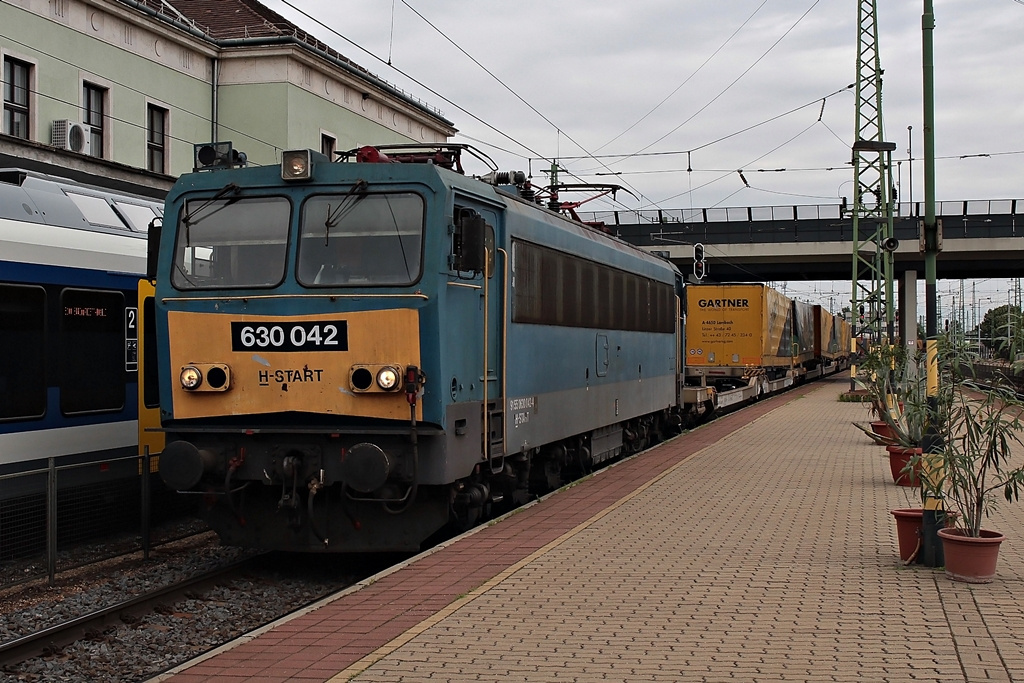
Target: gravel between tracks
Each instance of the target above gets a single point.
(141, 647)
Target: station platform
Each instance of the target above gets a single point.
(759, 547)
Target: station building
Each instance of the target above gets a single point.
(122, 89)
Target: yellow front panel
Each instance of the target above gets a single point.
(723, 325)
(265, 380)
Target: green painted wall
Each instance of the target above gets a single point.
(64, 55)
(260, 119)
(264, 119)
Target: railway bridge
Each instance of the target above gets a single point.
(980, 238)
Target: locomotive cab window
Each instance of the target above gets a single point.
(360, 240)
(472, 243)
(231, 243)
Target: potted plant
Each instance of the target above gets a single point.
(896, 388)
(972, 467)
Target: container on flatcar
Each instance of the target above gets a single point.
(738, 327)
(831, 335)
(805, 330)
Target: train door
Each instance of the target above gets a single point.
(494, 324)
(149, 389)
(475, 339)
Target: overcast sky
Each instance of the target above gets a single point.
(739, 84)
(593, 77)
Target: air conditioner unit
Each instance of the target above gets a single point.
(71, 135)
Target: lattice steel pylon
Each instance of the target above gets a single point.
(873, 242)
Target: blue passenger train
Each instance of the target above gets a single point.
(71, 256)
(360, 354)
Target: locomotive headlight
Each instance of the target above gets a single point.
(190, 378)
(387, 378)
(375, 378)
(296, 165)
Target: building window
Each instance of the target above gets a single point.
(327, 144)
(16, 88)
(93, 97)
(156, 138)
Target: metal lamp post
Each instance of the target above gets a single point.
(931, 231)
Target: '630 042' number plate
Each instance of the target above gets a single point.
(320, 335)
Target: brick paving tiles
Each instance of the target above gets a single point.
(759, 547)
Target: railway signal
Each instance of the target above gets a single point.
(700, 266)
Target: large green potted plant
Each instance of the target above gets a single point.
(973, 467)
(895, 384)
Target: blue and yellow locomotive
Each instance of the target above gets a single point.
(357, 355)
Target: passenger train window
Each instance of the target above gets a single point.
(92, 342)
(22, 365)
(550, 287)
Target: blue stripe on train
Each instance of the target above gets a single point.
(34, 273)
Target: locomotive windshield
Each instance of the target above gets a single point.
(360, 239)
(231, 243)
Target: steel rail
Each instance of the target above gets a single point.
(53, 638)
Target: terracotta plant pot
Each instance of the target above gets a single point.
(898, 459)
(908, 530)
(882, 428)
(969, 559)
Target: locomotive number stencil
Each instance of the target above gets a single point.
(300, 336)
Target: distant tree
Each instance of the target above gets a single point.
(1001, 331)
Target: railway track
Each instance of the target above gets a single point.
(130, 630)
(55, 638)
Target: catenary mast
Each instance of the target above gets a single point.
(871, 211)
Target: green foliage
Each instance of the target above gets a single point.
(1002, 331)
(977, 426)
(894, 379)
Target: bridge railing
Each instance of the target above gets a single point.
(736, 214)
(805, 222)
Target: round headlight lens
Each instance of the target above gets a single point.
(190, 377)
(296, 166)
(387, 378)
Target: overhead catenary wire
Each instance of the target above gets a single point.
(735, 80)
(412, 79)
(559, 129)
(688, 78)
(434, 92)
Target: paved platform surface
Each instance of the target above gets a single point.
(759, 547)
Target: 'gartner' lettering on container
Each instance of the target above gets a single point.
(723, 303)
